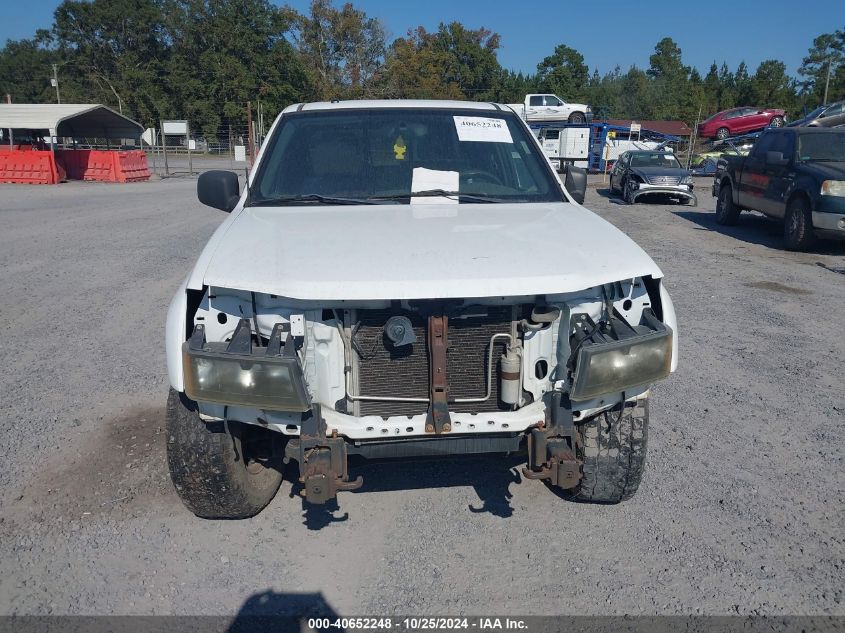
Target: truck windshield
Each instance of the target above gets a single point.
(388, 155)
(655, 159)
(822, 147)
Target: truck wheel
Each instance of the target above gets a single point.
(722, 133)
(777, 121)
(727, 213)
(798, 225)
(613, 451)
(225, 475)
(577, 117)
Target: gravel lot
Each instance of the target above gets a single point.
(741, 510)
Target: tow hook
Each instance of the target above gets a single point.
(322, 461)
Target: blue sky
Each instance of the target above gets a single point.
(607, 33)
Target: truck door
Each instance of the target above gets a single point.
(780, 177)
(534, 107)
(753, 180)
(554, 107)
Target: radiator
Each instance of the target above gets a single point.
(403, 372)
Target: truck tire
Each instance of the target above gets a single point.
(798, 225)
(229, 474)
(613, 452)
(722, 133)
(577, 117)
(727, 213)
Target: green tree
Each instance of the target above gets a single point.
(564, 73)
(25, 70)
(771, 87)
(342, 49)
(228, 52)
(665, 62)
(669, 81)
(824, 68)
(742, 86)
(727, 88)
(452, 63)
(116, 49)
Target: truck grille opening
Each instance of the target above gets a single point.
(403, 372)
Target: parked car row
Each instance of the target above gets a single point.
(795, 175)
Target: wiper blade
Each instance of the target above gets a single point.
(442, 193)
(306, 198)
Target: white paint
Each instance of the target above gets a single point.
(428, 179)
(297, 325)
(394, 252)
(174, 336)
(374, 426)
(482, 129)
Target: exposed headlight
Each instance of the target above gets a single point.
(686, 180)
(611, 367)
(266, 382)
(833, 188)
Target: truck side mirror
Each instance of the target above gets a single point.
(776, 158)
(575, 182)
(219, 189)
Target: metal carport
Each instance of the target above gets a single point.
(75, 120)
(34, 163)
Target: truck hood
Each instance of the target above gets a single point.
(418, 251)
(826, 171)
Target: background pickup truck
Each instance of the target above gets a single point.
(796, 175)
(548, 107)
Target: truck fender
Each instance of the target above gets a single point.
(175, 335)
(670, 319)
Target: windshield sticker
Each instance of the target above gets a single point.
(430, 180)
(399, 148)
(482, 129)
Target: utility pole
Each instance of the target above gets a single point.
(827, 82)
(250, 148)
(55, 82)
(11, 133)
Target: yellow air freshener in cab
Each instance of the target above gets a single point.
(399, 148)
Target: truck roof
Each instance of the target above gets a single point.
(369, 104)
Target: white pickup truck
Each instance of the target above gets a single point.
(404, 279)
(548, 107)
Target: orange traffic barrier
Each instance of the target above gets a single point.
(33, 167)
(132, 166)
(105, 165)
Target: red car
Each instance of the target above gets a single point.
(739, 121)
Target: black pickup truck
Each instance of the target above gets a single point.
(795, 175)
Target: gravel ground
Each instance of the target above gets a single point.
(741, 510)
